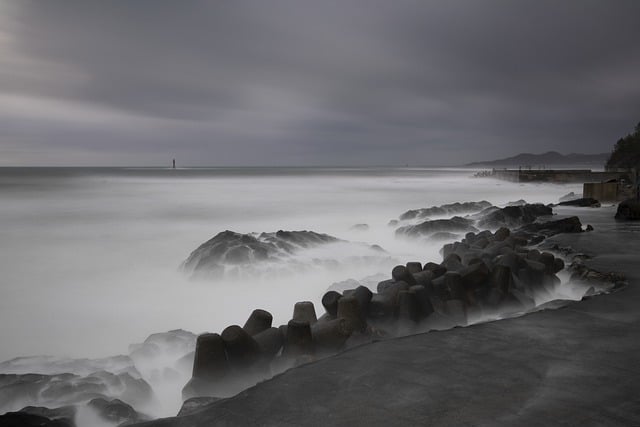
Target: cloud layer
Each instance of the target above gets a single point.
(313, 83)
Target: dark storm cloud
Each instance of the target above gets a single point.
(331, 82)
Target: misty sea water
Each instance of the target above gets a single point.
(90, 257)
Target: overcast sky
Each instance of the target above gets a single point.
(313, 82)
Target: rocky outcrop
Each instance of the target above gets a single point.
(427, 228)
(238, 255)
(628, 210)
(116, 411)
(18, 390)
(445, 210)
(586, 202)
(514, 216)
(23, 419)
(484, 274)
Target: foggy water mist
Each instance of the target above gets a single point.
(90, 258)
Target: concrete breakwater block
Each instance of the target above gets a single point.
(298, 339)
(304, 311)
(258, 321)
(483, 273)
(242, 349)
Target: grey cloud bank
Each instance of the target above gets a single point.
(313, 83)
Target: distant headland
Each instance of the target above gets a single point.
(550, 158)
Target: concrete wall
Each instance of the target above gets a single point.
(602, 191)
(550, 175)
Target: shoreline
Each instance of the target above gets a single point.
(571, 365)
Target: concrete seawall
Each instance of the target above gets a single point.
(554, 175)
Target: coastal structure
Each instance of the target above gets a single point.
(555, 175)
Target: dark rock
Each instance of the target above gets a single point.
(64, 413)
(501, 234)
(551, 228)
(628, 210)
(584, 203)
(445, 210)
(456, 225)
(514, 216)
(116, 411)
(258, 321)
(233, 248)
(589, 227)
(330, 302)
(20, 419)
(195, 404)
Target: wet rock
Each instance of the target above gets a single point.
(551, 228)
(195, 404)
(514, 216)
(453, 225)
(65, 413)
(628, 210)
(445, 210)
(586, 202)
(116, 411)
(230, 248)
(21, 419)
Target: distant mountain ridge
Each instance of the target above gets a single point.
(549, 158)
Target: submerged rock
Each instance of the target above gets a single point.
(569, 196)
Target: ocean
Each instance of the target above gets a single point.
(90, 257)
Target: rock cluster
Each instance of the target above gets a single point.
(485, 273)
